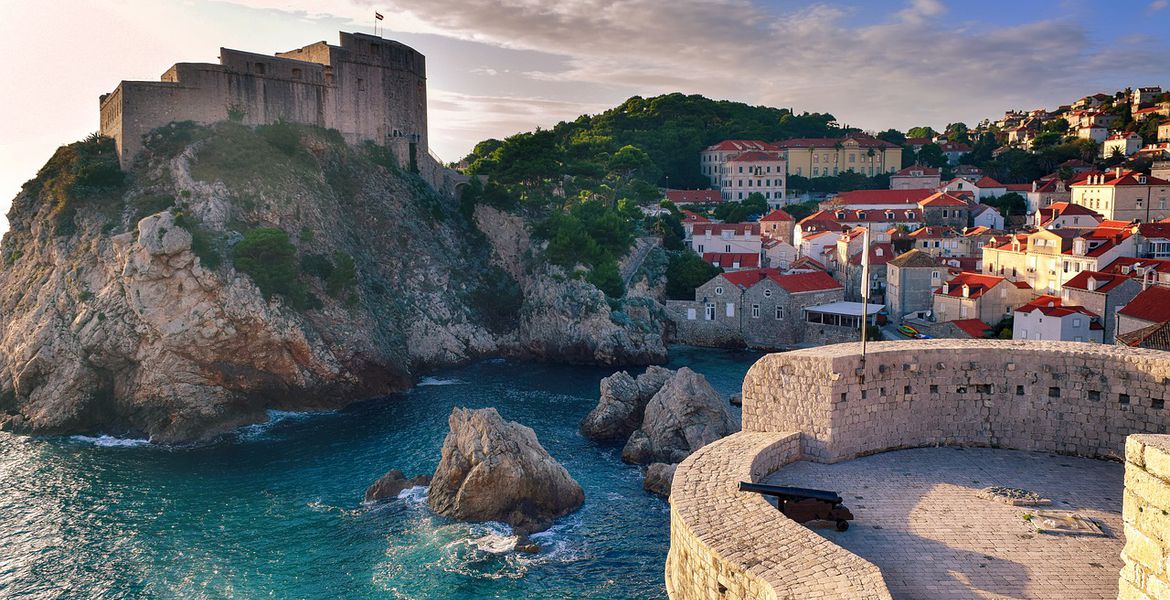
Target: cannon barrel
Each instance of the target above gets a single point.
(791, 493)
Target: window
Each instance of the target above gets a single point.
(690, 314)
(361, 84)
(755, 311)
(1123, 398)
(779, 312)
(1077, 323)
(1053, 392)
(1019, 390)
(259, 68)
(296, 74)
(730, 309)
(767, 293)
(727, 247)
(719, 290)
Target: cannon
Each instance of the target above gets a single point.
(803, 504)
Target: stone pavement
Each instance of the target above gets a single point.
(919, 520)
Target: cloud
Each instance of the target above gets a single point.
(1157, 5)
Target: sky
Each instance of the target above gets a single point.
(498, 67)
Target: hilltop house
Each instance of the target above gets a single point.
(857, 152)
(713, 158)
(755, 171)
(945, 209)
(1065, 215)
(978, 296)
(1124, 195)
(1124, 144)
(683, 198)
(983, 215)
(1048, 318)
(954, 151)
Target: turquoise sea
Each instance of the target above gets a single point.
(276, 511)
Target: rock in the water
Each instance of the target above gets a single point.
(685, 415)
(392, 483)
(623, 403)
(525, 545)
(735, 400)
(496, 470)
(658, 478)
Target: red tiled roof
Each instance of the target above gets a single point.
(719, 228)
(755, 156)
(868, 215)
(690, 217)
(806, 262)
(863, 197)
(954, 147)
(1152, 304)
(1052, 306)
(923, 171)
(879, 254)
(1018, 187)
(1159, 265)
(1104, 281)
(728, 260)
(973, 327)
(942, 199)
(986, 182)
(1155, 337)
(1160, 229)
(694, 196)
(863, 140)
(978, 283)
(806, 282)
(776, 215)
(1125, 178)
(741, 146)
(934, 231)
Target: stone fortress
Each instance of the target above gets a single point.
(368, 88)
(829, 405)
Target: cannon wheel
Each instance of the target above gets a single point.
(842, 525)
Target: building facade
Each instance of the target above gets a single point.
(1124, 195)
(823, 157)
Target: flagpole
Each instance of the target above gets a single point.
(864, 291)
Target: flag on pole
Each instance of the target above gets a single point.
(378, 15)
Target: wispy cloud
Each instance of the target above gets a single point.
(1157, 5)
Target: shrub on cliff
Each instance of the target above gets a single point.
(269, 258)
(81, 171)
(203, 243)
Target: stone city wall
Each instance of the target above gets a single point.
(734, 545)
(1146, 574)
(1064, 397)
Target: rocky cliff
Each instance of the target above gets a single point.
(232, 271)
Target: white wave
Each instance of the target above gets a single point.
(426, 381)
(495, 543)
(255, 430)
(109, 441)
(414, 495)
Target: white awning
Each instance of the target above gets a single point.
(851, 309)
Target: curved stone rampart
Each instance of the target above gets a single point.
(827, 404)
(1064, 397)
(734, 545)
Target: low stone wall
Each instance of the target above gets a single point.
(1064, 397)
(734, 545)
(1146, 574)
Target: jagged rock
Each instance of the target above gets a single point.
(392, 483)
(496, 470)
(525, 545)
(623, 403)
(735, 400)
(685, 415)
(658, 479)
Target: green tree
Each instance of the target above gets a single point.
(932, 155)
(269, 258)
(686, 271)
(892, 136)
(921, 132)
(957, 132)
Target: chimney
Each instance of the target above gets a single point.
(1117, 171)
(1092, 284)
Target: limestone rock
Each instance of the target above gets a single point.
(623, 403)
(494, 470)
(685, 415)
(388, 486)
(658, 479)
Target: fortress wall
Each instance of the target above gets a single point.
(1146, 573)
(734, 545)
(1059, 397)
(1064, 397)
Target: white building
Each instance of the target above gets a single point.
(738, 238)
(1126, 143)
(1096, 133)
(1047, 319)
(983, 215)
(755, 171)
(712, 158)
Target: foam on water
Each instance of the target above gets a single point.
(428, 381)
(109, 441)
(414, 495)
(276, 417)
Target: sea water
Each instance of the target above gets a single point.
(276, 510)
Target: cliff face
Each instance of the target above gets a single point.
(235, 271)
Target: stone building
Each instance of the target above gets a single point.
(977, 296)
(760, 308)
(911, 279)
(1103, 294)
(943, 208)
(1150, 307)
(1124, 195)
(367, 88)
(778, 225)
(857, 152)
(1049, 319)
(916, 177)
(754, 172)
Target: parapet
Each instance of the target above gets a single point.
(830, 404)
